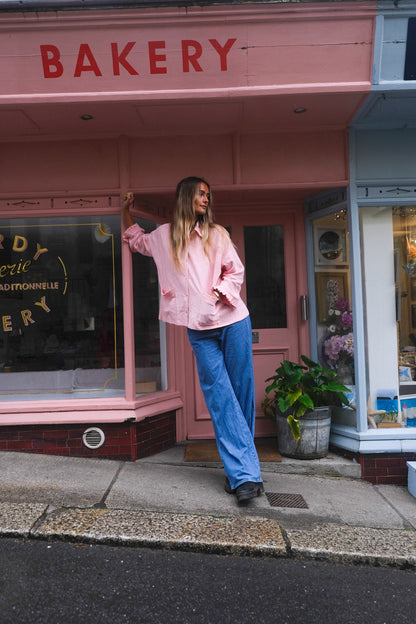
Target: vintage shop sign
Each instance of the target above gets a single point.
(23, 285)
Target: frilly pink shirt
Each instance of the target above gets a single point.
(186, 292)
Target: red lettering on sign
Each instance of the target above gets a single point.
(222, 51)
(85, 54)
(192, 50)
(52, 67)
(154, 58)
(120, 59)
(191, 59)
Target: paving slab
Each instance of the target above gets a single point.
(200, 490)
(348, 544)
(59, 481)
(228, 535)
(343, 501)
(400, 500)
(17, 519)
(179, 489)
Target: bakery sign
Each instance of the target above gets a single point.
(126, 58)
(30, 279)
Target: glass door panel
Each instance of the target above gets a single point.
(265, 275)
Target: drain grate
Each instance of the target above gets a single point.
(286, 500)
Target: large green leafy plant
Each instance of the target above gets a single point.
(298, 388)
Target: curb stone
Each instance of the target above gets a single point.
(228, 535)
(347, 544)
(234, 535)
(17, 519)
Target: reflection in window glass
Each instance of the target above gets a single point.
(333, 287)
(61, 308)
(147, 328)
(389, 265)
(265, 276)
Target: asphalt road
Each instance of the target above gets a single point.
(56, 582)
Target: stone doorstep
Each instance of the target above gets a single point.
(333, 465)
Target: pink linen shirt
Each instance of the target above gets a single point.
(186, 292)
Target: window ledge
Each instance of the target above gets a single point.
(395, 440)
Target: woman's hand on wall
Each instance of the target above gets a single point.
(127, 201)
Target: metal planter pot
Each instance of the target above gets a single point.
(314, 435)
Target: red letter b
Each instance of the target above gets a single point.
(50, 59)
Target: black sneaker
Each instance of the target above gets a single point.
(227, 487)
(248, 490)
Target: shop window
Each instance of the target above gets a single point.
(333, 295)
(149, 332)
(61, 311)
(389, 268)
(60, 308)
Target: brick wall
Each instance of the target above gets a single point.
(383, 468)
(123, 441)
(389, 469)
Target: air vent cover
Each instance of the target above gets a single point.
(93, 438)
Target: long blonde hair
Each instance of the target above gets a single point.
(184, 217)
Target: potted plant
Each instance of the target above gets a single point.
(300, 397)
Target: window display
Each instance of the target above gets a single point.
(389, 266)
(404, 237)
(60, 294)
(61, 310)
(332, 282)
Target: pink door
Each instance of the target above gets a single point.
(268, 247)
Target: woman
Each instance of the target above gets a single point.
(200, 276)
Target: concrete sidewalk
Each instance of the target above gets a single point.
(319, 508)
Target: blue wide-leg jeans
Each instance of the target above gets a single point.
(225, 367)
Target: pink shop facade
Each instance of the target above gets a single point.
(255, 97)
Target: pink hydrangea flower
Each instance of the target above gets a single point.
(346, 320)
(342, 305)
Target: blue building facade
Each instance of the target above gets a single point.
(362, 253)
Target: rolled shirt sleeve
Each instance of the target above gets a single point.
(138, 240)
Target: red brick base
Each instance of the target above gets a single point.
(123, 441)
(383, 468)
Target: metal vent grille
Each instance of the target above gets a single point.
(286, 500)
(93, 438)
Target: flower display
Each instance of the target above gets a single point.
(338, 345)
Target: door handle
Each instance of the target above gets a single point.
(304, 307)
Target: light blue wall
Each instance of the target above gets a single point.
(382, 172)
(385, 156)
